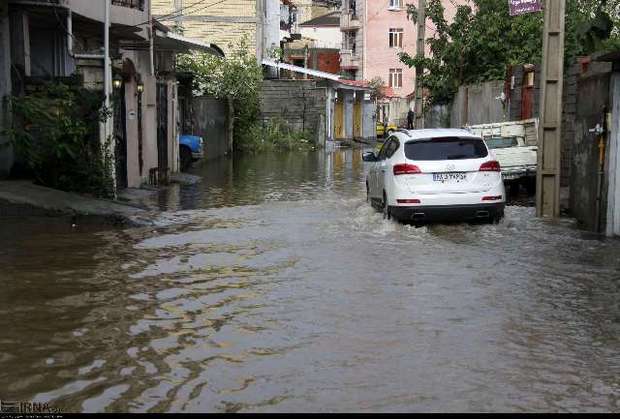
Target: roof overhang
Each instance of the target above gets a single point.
(170, 41)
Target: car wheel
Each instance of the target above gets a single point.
(387, 213)
(186, 158)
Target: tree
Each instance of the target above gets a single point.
(484, 39)
(237, 78)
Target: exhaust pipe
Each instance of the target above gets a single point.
(482, 214)
(418, 216)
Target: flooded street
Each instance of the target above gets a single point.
(272, 286)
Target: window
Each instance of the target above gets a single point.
(350, 42)
(501, 142)
(449, 148)
(396, 78)
(392, 147)
(133, 4)
(395, 4)
(396, 38)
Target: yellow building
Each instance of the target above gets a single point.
(222, 24)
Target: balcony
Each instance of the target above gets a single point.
(349, 22)
(132, 4)
(349, 60)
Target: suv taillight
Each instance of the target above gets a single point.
(406, 169)
(490, 166)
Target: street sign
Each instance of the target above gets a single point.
(520, 7)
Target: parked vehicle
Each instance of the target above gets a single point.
(435, 174)
(518, 161)
(385, 129)
(514, 143)
(191, 149)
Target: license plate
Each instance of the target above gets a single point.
(449, 177)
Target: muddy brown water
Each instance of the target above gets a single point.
(272, 286)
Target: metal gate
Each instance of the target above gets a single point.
(120, 138)
(162, 133)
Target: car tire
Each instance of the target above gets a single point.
(367, 193)
(186, 158)
(387, 210)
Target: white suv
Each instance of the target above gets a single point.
(435, 174)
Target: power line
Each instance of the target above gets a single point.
(179, 13)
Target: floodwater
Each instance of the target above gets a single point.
(272, 286)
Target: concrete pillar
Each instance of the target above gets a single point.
(6, 152)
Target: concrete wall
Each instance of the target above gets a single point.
(6, 153)
(369, 123)
(118, 14)
(593, 91)
(298, 102)
(210, 121)
(477, 104)
(323, 36)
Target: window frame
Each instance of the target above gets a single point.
(395, 37)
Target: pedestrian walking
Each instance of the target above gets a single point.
(410, 118)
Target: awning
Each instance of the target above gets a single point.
(169, 41)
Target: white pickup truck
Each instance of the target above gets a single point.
(514, 146)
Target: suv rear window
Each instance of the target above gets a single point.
(450, 148)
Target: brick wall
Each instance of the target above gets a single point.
(223, 24)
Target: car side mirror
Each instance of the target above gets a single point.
(369, 156)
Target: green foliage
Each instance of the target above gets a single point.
(276, 135)
(55, 132)
(238, 77)
(377, 86)
(482, 41)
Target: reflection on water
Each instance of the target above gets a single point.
(272, 286)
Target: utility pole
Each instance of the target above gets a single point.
(419, 107)
(550, 127)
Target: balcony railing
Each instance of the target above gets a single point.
(132, 4)
(349, 59)
(349, 22)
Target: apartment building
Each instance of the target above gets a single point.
(374, 32)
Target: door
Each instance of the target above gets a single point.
(120, 138)
(378, 170)
(162, 132)
(527, 95)
(339, 119)
(357, 119)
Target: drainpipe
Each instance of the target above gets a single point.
(601, 134)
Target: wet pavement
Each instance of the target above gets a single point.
(272, 286)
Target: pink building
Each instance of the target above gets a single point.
(373, 33)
